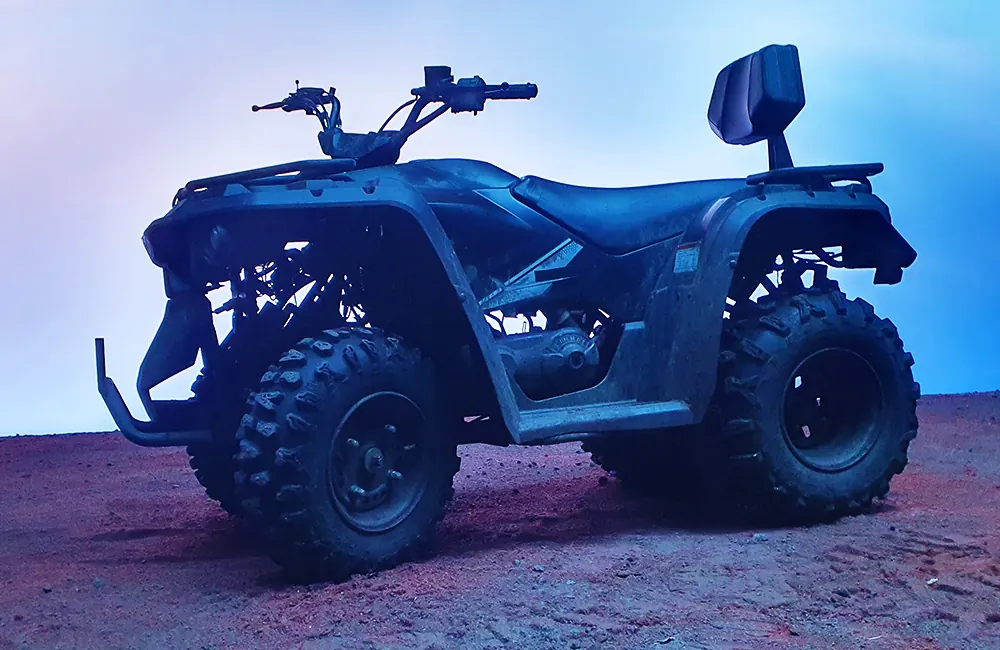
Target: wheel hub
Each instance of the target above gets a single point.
(377, 469)
(832, 409)
(374, 460)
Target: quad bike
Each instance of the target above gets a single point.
(675, 330)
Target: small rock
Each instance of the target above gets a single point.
(623, 574)
(518, 562)
(571, 582)
(603, 480)
(99, 583)
(665, 641)
(47, 589)
(538, 568)
(759, 537)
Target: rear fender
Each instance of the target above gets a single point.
(688, 303)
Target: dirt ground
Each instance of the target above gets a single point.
(106, 545)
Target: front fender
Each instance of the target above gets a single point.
(329, 200)
(691, 296)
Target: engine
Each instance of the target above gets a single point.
(552, 362)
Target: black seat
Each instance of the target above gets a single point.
(621, 220)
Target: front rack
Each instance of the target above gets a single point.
(296, 171)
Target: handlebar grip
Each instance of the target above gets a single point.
(513, 91)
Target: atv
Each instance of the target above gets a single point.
(384, 313)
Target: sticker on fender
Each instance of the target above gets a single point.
(686, 259)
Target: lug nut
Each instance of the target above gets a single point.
(390, 428)
(394, 475)
(351, 442)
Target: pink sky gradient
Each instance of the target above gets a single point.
(108, 107)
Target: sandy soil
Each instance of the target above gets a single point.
(106, 545)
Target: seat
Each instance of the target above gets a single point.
(622, 220)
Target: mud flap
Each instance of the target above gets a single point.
(186, 327)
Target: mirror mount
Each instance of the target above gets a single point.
(756, 97)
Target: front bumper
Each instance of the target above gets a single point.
(146, 434)
(186, 328)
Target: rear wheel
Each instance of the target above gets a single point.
(651, 465)
(815, 405)
(213, 462)
(341, 462)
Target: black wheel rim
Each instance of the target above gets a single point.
(832, 409)
(377, 469)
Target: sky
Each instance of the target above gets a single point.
(106, 108)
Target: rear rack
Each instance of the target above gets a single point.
(306, 169)
(817, 176)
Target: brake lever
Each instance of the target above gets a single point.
(267, 107)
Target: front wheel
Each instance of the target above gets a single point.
(815, 405)
(341, 463)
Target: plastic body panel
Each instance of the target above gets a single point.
(671, 303)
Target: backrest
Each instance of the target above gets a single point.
(757, 97)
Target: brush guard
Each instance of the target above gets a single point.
(160, 433)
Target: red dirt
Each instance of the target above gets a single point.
(106, 545)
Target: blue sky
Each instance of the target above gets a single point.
(108, 107)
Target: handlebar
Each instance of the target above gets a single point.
(512, 91)
(464, 95)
